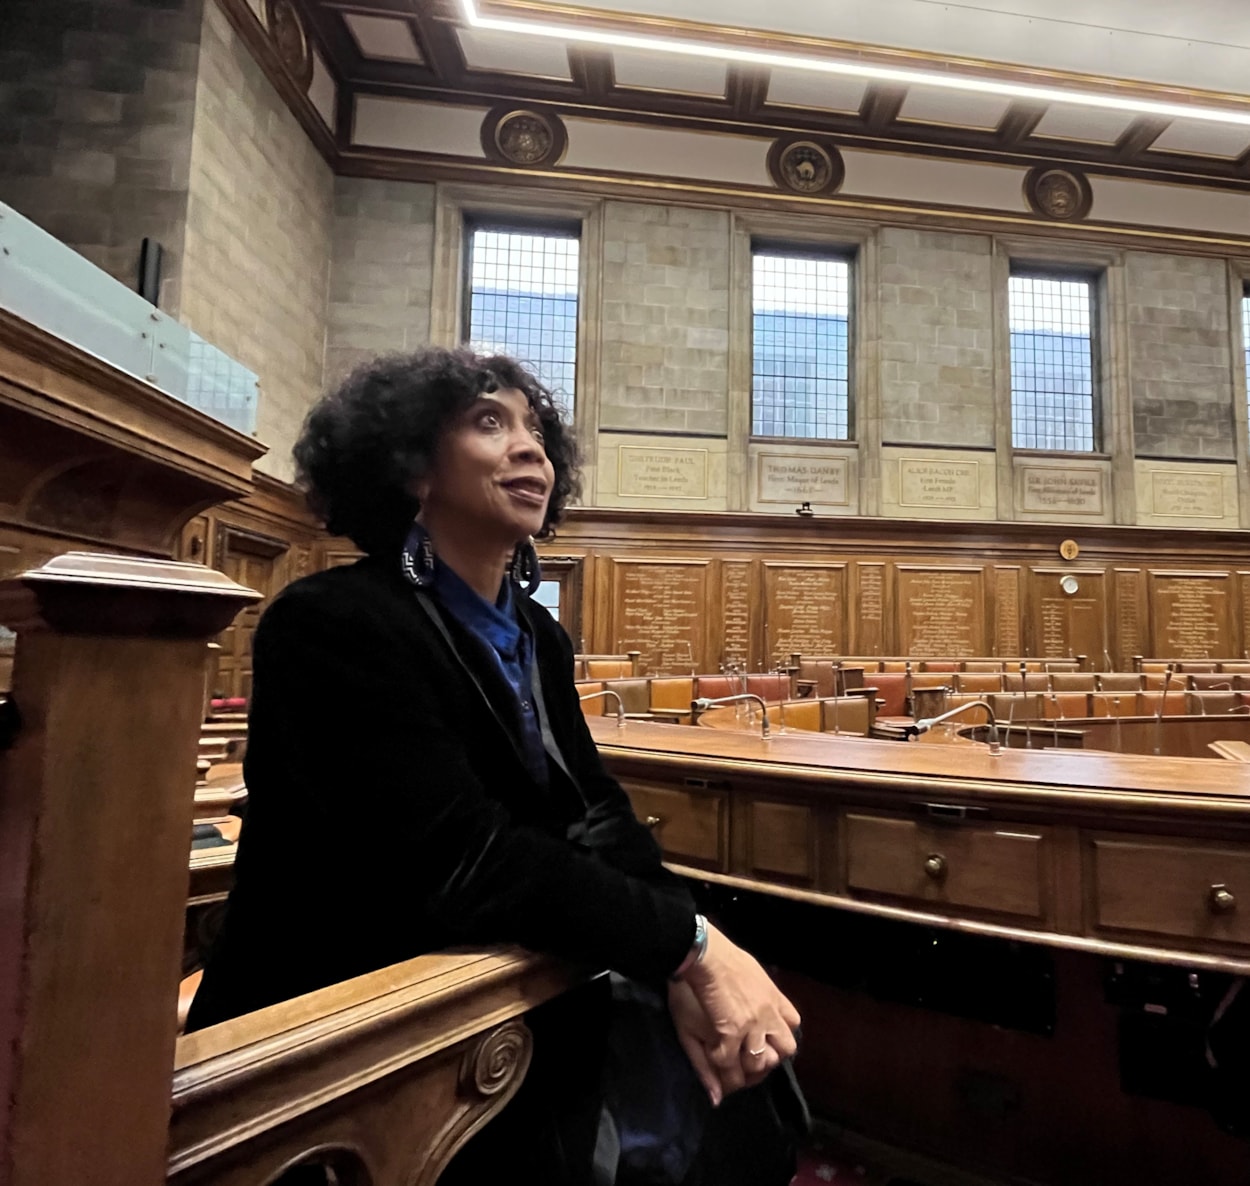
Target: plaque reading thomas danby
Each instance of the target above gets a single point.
(1187, 495)
(923, 483)
(645, 472)
(791, 478)
(1062, 491)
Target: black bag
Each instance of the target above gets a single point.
(658, 1127)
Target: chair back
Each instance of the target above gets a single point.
(1073, 681)
(977, 683)
(715, 687)
(891, 693)
(635, 693)
(1066, 706)
(1174, 703)
(850, 714)
(608, 668)
(1119, 681)
(797, 714)
(941, 665)
(672, 692)
(592, 708)
(769, 686)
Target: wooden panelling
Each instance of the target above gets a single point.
(941, 611)
(714, 588)
(972, 866)
(805, 610)
(1192, 617)
(1063, 625)
(690, 826)
(782, 841)
(659, 607)
(1175, 890)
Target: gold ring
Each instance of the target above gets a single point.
(757, 1053)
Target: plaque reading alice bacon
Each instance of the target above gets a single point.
(941, 611)
(660, 609)
(805, 609)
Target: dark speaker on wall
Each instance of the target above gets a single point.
(150, 271)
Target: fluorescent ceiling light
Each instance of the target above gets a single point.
(796, 61)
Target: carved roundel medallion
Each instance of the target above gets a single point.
(286, 31)
(524, 137)
(806, 165)
(1062, 195)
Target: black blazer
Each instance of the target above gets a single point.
(390, 813)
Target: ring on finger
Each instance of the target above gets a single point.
(757, 1053)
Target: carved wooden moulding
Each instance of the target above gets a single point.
(524, 136)
(286, 31)
(808, 165)
(1060, 194)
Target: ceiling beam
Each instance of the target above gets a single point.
(592, 71)
(1018, 123)
(438, 39)
(880, 106)
(746, 88)
(1139, 136)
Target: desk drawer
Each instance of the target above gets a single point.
(969, 865)
(691, 827)
(1194, 890)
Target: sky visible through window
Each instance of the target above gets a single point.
(800, 352)
(1052, 367)
(523, 302)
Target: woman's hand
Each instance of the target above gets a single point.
(748, 1022)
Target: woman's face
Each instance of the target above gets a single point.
(491, 475)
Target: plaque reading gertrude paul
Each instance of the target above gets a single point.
(790, 478)
(938, 483)
(645, 472)
(1067, 491)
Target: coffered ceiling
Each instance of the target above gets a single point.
(793, 66)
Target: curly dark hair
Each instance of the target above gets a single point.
(363, 443)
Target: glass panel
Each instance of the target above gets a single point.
(548, 594)
(801, 359)
(1245, 333)
(523, 302)
(1052, 364)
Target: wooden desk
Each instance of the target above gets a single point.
(1119, 855)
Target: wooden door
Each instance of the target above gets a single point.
(253, 561)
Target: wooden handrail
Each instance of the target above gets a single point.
(444, 1032)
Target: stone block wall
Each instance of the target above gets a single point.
(665, 319)
(97, 100)
(258, 235)
(1180, 349)
(381, 270)
(937, 338)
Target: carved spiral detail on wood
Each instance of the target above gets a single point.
(500, 1057)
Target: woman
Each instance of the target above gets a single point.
(420, 774)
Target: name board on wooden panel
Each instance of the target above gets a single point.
(1062, 490)
(939, 483)
(1191, 615)
(1129, 635)
(792, 478)
(941, 611)
(647, 472)
(869, 620)
(660, 608)
(1007, 612)
(1180, 494)
(1068, 624)
(805, 610)
(736, 612)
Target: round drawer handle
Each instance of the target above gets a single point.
(1221, 900)
(935, 866)
(652, 821)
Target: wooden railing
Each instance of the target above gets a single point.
(381, 1078)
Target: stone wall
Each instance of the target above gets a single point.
(665, 319)
(97, 99)
(380, 278)
(258, 235)
(1181, 345)
(937, 338)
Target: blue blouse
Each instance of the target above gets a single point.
(497, 628)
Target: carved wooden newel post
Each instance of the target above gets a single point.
(96, 797)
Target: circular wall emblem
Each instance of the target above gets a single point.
(524, 137)
(805, 165)
(1069, 549)
(1063, 195)
(286, 31)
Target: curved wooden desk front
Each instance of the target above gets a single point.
(1133, 857)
